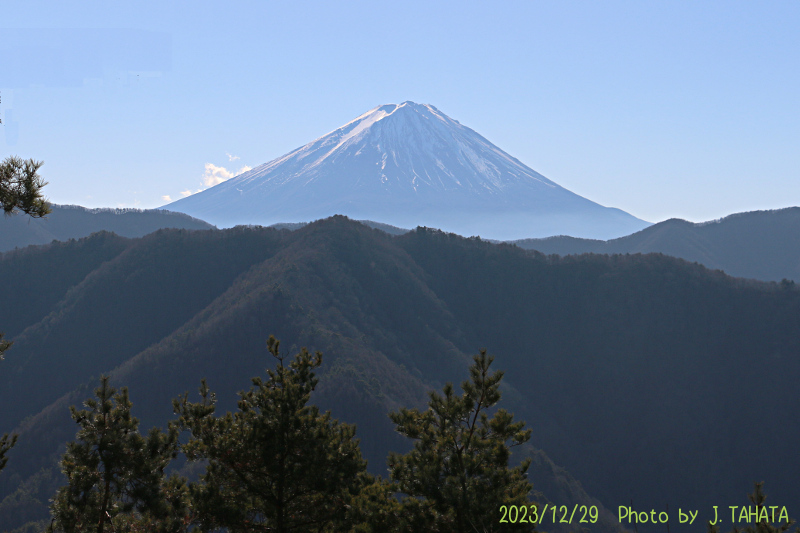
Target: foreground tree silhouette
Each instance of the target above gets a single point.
(277, 464)
(6, 443)
(115, 476)
(4, 345)
(457, 476)
(21, 187)
(20, 190)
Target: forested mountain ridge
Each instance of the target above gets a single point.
(342, 387)
(32, 287)
(74, 222)
(627, 368)
(148, 289)
(761, 245)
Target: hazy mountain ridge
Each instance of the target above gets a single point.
(618, 364)
(407, 165)
(757, 244)
(761, 245)
(74, 222)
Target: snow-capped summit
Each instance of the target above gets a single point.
(407, 165)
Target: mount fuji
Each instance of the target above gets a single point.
(408, 165)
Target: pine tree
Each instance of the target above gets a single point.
(6, 443)
(277, 464)
(457, 476)
(4, 345)
(115, 476)
(21, 187)
(21, 190)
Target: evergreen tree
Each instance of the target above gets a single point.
(277, 464)
(4, 345)
(21, 190)
(457, 476)
(376, 509)
(21, 187)
(6, 443)
(115, 476)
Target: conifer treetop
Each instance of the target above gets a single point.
(457, 475)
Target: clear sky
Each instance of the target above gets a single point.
(661, 108)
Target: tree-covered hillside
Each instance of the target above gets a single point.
(645, 376)
(762, 245)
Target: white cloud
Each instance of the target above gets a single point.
(215, 175)
(186, 193)
(166, 198)
(231, 157)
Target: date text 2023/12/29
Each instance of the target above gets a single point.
(533, 514)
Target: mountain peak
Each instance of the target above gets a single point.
(407, 164)
(394, 112)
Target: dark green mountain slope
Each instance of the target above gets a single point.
(34, 279)
(74, 222)
(119, 309)
(321, 290)
(645, 376)
(640, 369)
(761, 245)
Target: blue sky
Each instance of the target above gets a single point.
(663, 109)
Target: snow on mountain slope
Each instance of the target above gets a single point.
(407, 165)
